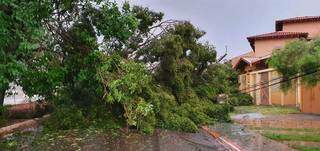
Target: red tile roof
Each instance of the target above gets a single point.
(279, 23)
(279, 34)
(276, 35)
(248, 58)
(235, 60)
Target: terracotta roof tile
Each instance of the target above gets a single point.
(279, 34)
(250, 59)
(276, 35)
(299, 19)
(279, 23)
(235, 60)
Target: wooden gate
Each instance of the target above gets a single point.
(310, 99)
(264, 91)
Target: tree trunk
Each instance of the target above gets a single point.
(2, 95)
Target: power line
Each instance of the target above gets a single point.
(267, 82)
(262, 83)
(278, 78)
(282, 81)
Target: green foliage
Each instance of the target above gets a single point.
(128, 84)
(43, 77)
(293, 137)
(20, 32)
(220, 113)
(187, 67)
(305, 148)
(180, 123)
(9, 145)
(67, 117)
(265, 110)
(240, 99)
(94, 61)
(193, 114)
(188, 70)
(188, 117)
(298, 57)
(3, 115)
(146, 18)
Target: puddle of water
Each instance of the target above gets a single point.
(248, 116)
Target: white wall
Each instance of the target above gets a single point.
(17, 96)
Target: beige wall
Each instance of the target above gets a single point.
(265, 47)
(276, 95)
(310, 99)
(290, 97)
(313, 28)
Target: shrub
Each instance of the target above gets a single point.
(220, 113)
(206, 91)
(179, 123)
(147, 124)
(199, 117)
(194, 113)
(188, 116)
(67, 117)
(73, 117)
(240, 99)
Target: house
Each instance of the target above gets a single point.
(263, 82)
(15, 95)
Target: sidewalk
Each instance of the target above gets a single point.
(279, 121)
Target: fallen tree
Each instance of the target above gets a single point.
(107, 67)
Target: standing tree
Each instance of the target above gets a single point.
(299, 57)
(21, 36)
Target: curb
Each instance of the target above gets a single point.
(222, 140)
(21, 126)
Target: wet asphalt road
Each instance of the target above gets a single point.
(201, 141)
(160, 141)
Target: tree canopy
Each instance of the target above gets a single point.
(300, 57)
(21, 34)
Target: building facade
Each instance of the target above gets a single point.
(262, 82)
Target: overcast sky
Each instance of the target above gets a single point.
(229, 22)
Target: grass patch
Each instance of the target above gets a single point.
(315, 130)
(265, 110)
(292, 137)
(306, 148)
